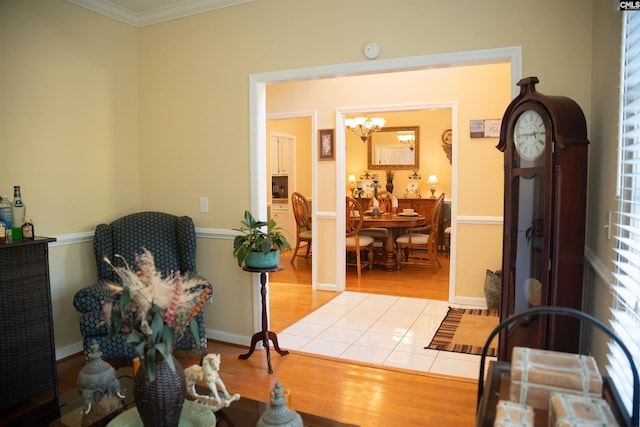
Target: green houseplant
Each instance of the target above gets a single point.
(259, 240)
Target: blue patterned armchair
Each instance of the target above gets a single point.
(171, 240)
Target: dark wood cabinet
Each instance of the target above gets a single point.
(423, 206)
(544, 140)
(27, 348)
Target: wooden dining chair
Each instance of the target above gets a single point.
(302, 214)
(419, 245)
(354, 242)
(385, 202)
(379, 234)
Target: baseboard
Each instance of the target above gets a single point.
(327, 287)
(228, 338)
(476, 302)
(213, 334)
(69, 350)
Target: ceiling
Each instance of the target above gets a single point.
(140, 13)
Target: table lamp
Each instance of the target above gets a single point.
(352, 184)
(433, 181)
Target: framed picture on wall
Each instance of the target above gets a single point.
(326, 144)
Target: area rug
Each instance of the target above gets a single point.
(465, 330)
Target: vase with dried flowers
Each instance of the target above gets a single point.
(155, 312)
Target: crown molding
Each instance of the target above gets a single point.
(154, 16)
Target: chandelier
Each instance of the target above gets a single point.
(408, 138)
(364, 127)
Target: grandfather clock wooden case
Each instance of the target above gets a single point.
(544, 140)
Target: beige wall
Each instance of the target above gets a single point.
(603, 135)
(70, 132)
(432, 158)
(100, 119)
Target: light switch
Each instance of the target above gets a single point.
(204, 205)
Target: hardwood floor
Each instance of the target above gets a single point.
(354, 393)
(411, 281)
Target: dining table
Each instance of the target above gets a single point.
(393, 222)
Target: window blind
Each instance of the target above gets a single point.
(626, 287)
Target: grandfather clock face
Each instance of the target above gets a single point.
(531, 136)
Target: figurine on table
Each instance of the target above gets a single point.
(209, 373)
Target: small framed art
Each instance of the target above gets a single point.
(326, 144)
(485, 128)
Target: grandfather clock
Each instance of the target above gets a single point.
(544, 140)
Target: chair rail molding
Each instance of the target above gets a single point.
(87, 236)
(486, 220)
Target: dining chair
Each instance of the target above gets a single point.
(447, 236)
(379, 234)
(354, 242)
(385, 202)
(419, 245)
(302, 214)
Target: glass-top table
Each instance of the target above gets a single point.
(244, 412)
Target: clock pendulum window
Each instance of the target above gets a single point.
(545, 160)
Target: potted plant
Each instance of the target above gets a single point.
(260, 244)
(155, 312)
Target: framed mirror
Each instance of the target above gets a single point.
(394, 148)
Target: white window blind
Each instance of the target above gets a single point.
(626, 287)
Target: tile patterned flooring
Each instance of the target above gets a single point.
(379, 329)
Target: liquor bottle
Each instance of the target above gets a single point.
(5, 215)
(3, 233)
(28, 232)
(5, 211)
(17, 211)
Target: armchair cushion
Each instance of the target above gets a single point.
(90, 299)
(171, 240)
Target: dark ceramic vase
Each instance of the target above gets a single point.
(160, 402)
(389, 186)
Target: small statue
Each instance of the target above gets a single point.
(278, 414)
(376, 185)
(96, 379)
(209, 373)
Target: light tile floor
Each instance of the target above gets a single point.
(380, 329)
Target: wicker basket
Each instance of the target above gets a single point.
(160, 402)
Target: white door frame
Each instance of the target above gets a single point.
(258, 117)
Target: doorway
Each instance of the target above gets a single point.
(431, 119)
(326, 218)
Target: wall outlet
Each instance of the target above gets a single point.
(204, 205)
